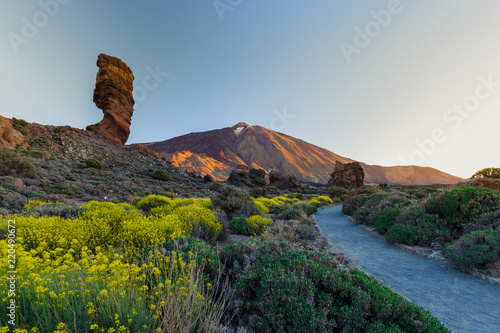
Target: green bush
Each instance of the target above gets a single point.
(486, 222)
(154, 201)
(93, 163)
(492, 173)
(294, 212)
(350, 205)
(253, 225)
(463, 205)
(238, 225)
(386, 220)
(287, 290)
(337, 192)
(422, 230)
(11, 164)
(233, 200)
(161, 175)
(474, 249)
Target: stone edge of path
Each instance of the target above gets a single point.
(428, 253)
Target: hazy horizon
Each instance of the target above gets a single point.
(383, 82)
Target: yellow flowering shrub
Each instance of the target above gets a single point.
(153, 201)
(34, 203)
(320, 201)
(102, 293)
(198, 221)
(103, 224)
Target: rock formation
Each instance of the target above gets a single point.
(488, 183)
(9, 137)
(276, 179)
(350, 175)
(252, 178)
(113, 95)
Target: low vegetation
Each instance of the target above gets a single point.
(464, 219)
(113, 239)
(156, 266)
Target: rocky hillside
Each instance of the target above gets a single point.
(242, 146)
(74, 165)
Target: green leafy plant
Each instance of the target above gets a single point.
(492, 173)
(474, 249)
(233, 200)
(386, 220)
(93, 163)
(11, 164)
(161, 175)
(252, 225)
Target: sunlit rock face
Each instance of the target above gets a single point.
(113, 95)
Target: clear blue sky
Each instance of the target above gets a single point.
(384, 82)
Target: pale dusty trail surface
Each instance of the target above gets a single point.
(462, 302)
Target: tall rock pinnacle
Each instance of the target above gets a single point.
(113, 95)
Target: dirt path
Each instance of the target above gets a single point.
(462, 302)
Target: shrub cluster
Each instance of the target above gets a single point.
(233, 200)
(283, 289)
(253, 225)
(93, 163)
(11, 164)
(422, 217)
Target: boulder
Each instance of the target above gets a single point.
(350, 175)
(252, 178)
(358, 191)
(9, 137)
(276, 179)
(488, 183)
(208, 179)
(113, 95)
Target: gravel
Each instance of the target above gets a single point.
(464, 303)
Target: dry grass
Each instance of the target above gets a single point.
(195, 307)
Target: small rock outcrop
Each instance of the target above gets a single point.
(113, 95)
(276, 179)
(350, 175)
(9, 137)
(488, 183)
(252, 178)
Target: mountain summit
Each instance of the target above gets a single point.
(244, 146)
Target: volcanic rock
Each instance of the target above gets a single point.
(350, 175)
(488, 183)
(113, 95)
(276, 179)
(252, 178)
(9, 137)
(208, 179)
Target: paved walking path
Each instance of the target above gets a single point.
(462, 302)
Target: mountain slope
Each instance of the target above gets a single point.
(242, 146)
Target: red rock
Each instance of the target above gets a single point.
(358, 191)
(18, 182)
(252, 178)
(9, 137)
(488, 183)
(276, 179)
(350, 175)
(113, 95)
